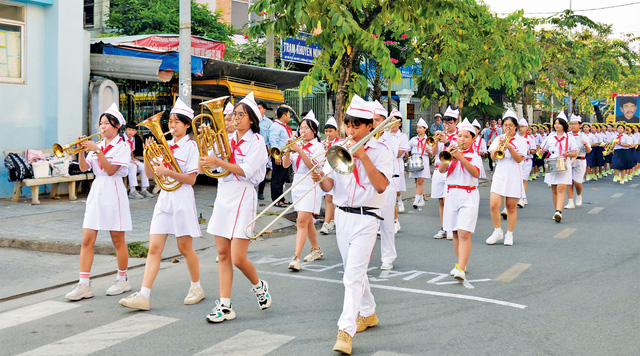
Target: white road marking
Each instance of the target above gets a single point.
(595, 210)
(248, 342)
(33, 312)
(104, 336)
(512, 272)
(565, 233)
(617, 195)
(401, 289)
(634, 185)
(466, 280)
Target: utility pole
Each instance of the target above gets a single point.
(185, 52)
(271, 52)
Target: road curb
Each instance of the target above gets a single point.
(55, 247)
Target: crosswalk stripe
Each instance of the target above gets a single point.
(33, 312)
(634, 185)
(565, 233)
(104, 336)
(595, 210)
(248, 342)
(617, 195)
(512, 272)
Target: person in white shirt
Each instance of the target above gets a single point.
(358, 196)
(235, 206)
(527, 163)
(461, 205)
(579, 163)
(107, 206)
(136, 166)
(419, 148)
(480, 147)
(398, 167)
(448, 137)
(331, 133)
(265, 124)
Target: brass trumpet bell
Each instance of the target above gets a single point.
(60, 150)
(446, 156)
(500, 151)
(160, 152)
(277, 153)
(432, 140)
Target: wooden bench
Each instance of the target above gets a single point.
(35, 183)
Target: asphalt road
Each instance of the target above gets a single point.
(561, 289)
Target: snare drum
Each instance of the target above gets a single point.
(555, 165)
(414, 164)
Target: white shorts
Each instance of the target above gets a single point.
(437, 184)
(578, 169)
(235, 206)
(175, 213)
(526, 166)
(460, 210)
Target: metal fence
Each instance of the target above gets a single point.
(316, 101)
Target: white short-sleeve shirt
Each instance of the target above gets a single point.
(251, 155)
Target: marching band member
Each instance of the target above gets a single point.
(331, 132)
(398, 166)
(418, 146)
(597, 144)
(590, 136)
(507, 178)
(175, 211)
(491, 134)
(636, 151)
(228, 118)
(579, 164)
(621, 154)
(559, 144)
(450, 136)
(480, 147)
(358, 197)
(387, 225)
(527, 161)
(107, 206)
(303, 160)
(235, 206)
(461, 205)
(611, 134)
(537, 162)
(135, 166)
(279, 134)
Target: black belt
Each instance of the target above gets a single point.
(395, 176)
(363, 210)
(580, 158)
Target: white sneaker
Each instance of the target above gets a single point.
(135, 195)
(80, 291)
(420, 202)
(386, 266)
(294, 265)
(449, 235)
(440, 235)
(396, 226)
(521, 203)
(570, 205)
(508, 239)
(262, 294)
(578, 200)
(325, 229)
(415, 203)
(503, 213)
(400, 205)
(495, 237)
(313, 255)
(221, 313)
(136, 301)
(459, 274)
(526, 201)
(147, 194)
(332, 226)
(119, 287)
(195, 295)
(453, 271)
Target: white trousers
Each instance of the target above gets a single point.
(356, 236)
(136, 167)
(387, 228)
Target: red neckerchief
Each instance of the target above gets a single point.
(105, 150)
(479, 139)
(235, 147)
(289, 131)
(422, 141)
(493, 131)
(450, 137)
(305, 148)
(130, 143)
(559, 142)
(454, 163)
(355, 171)
(331, 143)
(173, 148)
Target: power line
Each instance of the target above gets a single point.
(582, 10)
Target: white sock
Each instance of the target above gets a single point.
(196, 284)
(499, 229)
(146, 292)
(509, 233)
(569, 201)
(84, 278)
(580, 196)
(85, 281)
(122, 275)
(417, 197)
(259, 285)
(225, 301)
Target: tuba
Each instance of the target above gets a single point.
(212, 137)
(161, 153)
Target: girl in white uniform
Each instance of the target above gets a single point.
(621, 154)
(303, 159)
(507, 179)
(579, 164)
(398, 166)
(461, 205)
(480, 147)
(418, 146)
(359, 198)
(107, 205)
(235, 206)
(331, 132)
(559, 144)
(449, 136)
(175, 211)
(527, 162)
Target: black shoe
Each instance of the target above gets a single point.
(260, 196)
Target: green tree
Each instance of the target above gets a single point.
(144, 17)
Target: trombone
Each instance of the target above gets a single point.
(60, 150)
(277, 153)
(386, 127)
(341, 161)
(502, 147)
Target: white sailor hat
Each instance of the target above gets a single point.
(181, 108)
(395, 113)
(476, 123)
(331, 123)
(466, 125)
(113, 110)
(359, 108)
(510, 113)
(422, 123)
(228, 109)
(251, 102)
(523, 122)
(311, 116)
(576, 118)
(450, 113)
(562, 116)
(378, 109)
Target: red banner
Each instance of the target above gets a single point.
(199, 47)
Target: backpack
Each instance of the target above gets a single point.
(18, 167)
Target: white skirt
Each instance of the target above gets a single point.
(560, 177)
(437, 184)
(235, 206)
(507, 180)
(578, 169)
(312, 201)
(460, 210)
(107, 206)
(425, 173)
(399, 181)
(175, 213)
(526, 166)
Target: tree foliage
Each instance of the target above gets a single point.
(144, 17)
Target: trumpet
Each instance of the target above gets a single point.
(160, 152)
(502, 147)
(212, 138)
(60, 150)
(341, 161)
(277, 153)
(431, 141)
(446, 156)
